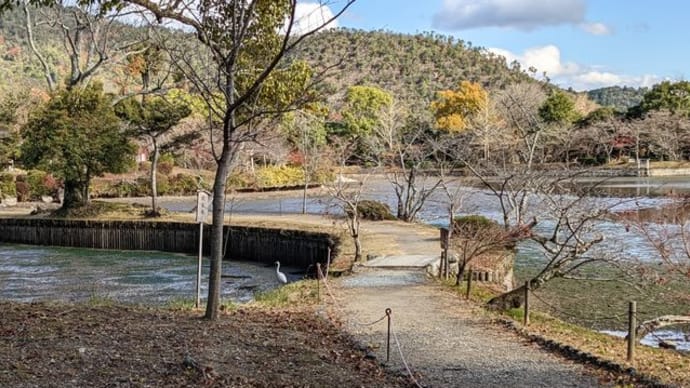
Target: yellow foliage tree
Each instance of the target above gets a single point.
(453, 108)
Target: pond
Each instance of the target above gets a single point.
(34, 273)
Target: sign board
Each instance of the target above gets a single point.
(444, 238)
(202, 202)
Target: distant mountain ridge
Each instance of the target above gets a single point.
(620, 98)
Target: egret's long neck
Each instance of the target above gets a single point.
(278, 267)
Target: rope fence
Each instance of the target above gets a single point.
(554, 309)
(388, 315)
(630, 319)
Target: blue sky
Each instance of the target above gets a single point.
(583, 44)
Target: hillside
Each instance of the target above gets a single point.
(412, 67)
(620, 98)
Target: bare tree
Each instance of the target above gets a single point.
(306, 131)
(405, 145)
(488, 129)
(668, 232)
(347, 194)
(92, 37)
(667, 134)
(244, 43)
(519, 105)
(557, 215)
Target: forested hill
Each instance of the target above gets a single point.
(620, 98)
(412, 67)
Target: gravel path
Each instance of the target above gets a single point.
(446, 341)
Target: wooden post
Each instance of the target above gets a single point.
(632, 325)
(469, 283)
(318, 282)
(526, 317)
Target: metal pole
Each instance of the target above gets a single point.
(388, 342)
(198, 267)
(526, 318)
(632, 312)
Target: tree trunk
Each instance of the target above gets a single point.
(461, 272)
(515, 297)
(154, 183)
(358, 248)
(354, 232)
(73, 195)
(214, 281)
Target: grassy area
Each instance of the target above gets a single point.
(604, 304)
(301, 293)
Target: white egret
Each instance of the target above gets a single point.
(281, 276)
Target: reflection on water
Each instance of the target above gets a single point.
(30, 273)
(643, 186)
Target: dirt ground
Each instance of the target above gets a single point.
(43, 345)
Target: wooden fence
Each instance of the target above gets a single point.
(292, 247)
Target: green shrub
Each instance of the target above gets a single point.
(239, 180)
(163, 185)
(183, 184)
(145, 167)
(35, 179)
(323, 176)
(7, 185)
(472, 223)
(374, 211)
(127, 189)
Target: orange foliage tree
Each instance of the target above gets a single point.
(453, 108)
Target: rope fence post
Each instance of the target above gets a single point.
(470, 273)
(388, 340)
(526, 317)
(318, 282)
(632, 312)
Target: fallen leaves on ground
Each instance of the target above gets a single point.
(84, 345)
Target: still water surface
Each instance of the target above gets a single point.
(32, 273)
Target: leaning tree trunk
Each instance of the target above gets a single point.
(516, 297)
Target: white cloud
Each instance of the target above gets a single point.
(596, 28)
(520, 14)
(570, 74)
(309, 16)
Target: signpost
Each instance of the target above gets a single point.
(202, 200)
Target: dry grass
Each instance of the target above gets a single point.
(670, 366)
